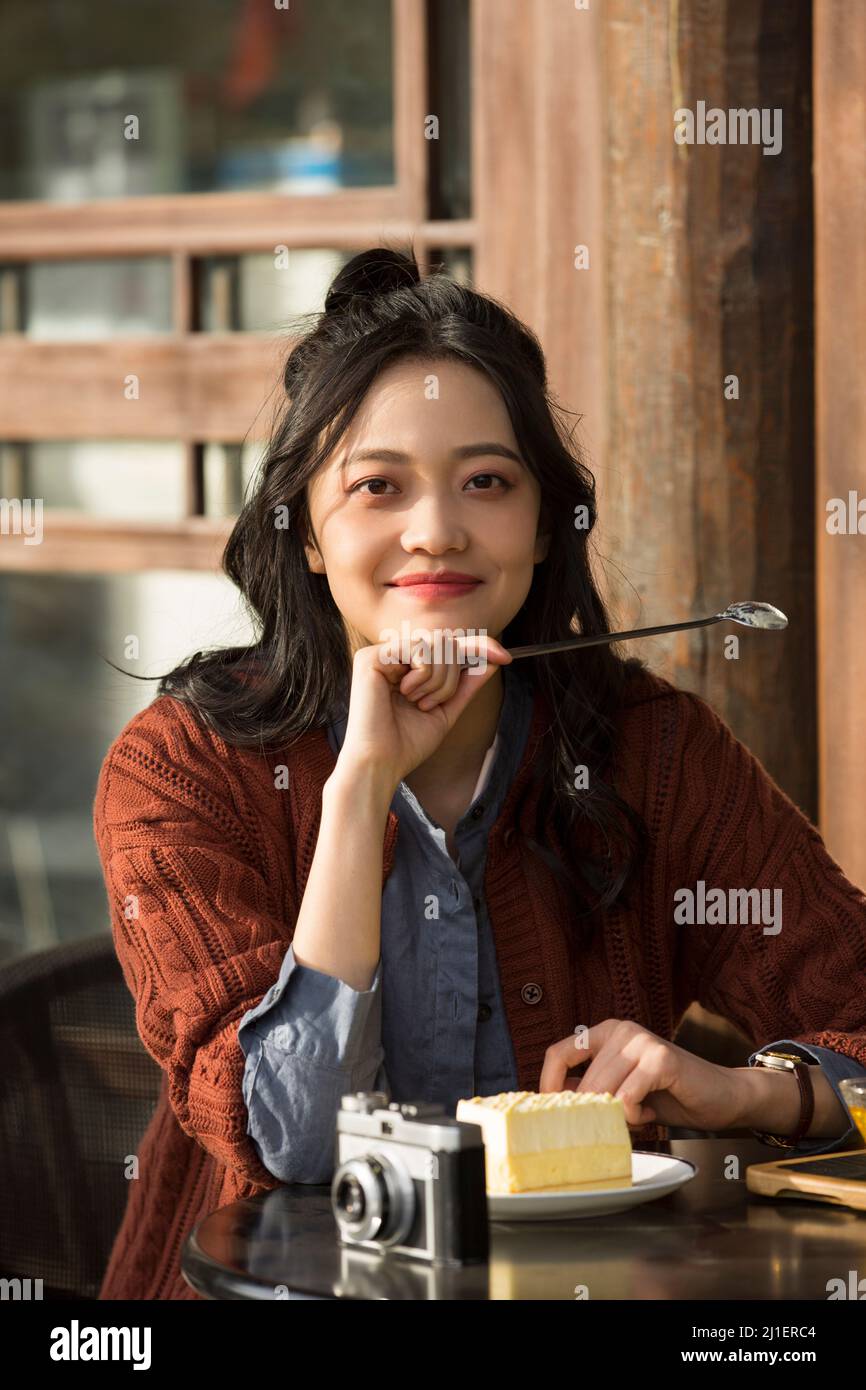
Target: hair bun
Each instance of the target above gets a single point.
(370, 273)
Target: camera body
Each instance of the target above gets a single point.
(409, 1180)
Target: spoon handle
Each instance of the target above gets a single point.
(542, 648)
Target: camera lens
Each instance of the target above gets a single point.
(373, 1199)
(359, 1198)
(349, 1198)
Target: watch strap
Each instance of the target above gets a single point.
(803, 1073)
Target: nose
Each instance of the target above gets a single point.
(434, 526)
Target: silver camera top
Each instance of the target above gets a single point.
(372, 1114)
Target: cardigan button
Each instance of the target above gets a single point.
(531, 993)
(508, 837)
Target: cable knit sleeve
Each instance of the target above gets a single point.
(790, 959)
(197, 926)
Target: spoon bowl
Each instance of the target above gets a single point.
(762, 615)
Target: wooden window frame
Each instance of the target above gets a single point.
(201, 387)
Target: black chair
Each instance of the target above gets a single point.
(77, 1091)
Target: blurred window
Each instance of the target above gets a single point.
(65, 705)
(107, 100)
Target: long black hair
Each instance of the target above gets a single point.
(379, 310)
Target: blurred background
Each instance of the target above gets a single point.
(178, 181)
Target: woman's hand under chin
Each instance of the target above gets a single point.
(399, 714)
(655, 1079)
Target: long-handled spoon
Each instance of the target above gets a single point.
(750, 614)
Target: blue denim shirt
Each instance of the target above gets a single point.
(434, 1008)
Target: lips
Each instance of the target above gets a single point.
(435, 589)
(441, 578)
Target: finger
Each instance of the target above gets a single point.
(631, 1088)
(445, 692)
(392, 672)
(434, 686)
(622, 1081)
(468, 685)
(382, 657)
(478, 650)
(625, 1064)
(642, 1081)
(414, 681)
(422, 676)
(439, 674)
(609, 1077)
(584, 1043)
(558, 1061)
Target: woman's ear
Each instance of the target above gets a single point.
(311, 550)
(542, 545)
(314, 559)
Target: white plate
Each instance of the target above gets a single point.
(652, 1176)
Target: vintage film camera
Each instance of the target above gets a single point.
(409, 1180)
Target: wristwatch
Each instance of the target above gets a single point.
(790, 1061)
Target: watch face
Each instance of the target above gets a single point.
(783, 1060)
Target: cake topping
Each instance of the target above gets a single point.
(541, 1100)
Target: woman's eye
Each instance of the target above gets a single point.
(367, 483)
(497, 476)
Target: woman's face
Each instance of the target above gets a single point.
(428, 477)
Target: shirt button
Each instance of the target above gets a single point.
(484, 1012)
(476, 903)
(477, 812)
(531, 993)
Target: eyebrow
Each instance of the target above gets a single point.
(463, 451)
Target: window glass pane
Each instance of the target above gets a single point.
(449, 154)
(262, 292)
(139, 479)
(273, 288)
(230, 475)
(223, 479)
(455, 261)
(78, 301)
(60, 707)
(101, 100)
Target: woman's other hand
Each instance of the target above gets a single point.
(655, 1079)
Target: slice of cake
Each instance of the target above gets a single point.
(535, 1141)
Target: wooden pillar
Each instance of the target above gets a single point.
(699, 269)
(840, 269)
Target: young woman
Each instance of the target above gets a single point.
(336, 863)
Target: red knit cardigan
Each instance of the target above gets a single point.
(206, 850)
